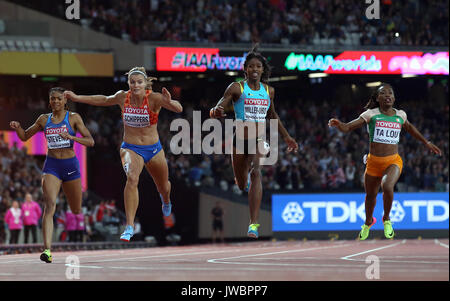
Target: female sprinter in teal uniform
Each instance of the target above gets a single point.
(253, 102)
(383, 164)
(61, 166)
(141, 146)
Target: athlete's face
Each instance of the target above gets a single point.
(386, 96)
(57, 101)
(137, 84)
(254, 69)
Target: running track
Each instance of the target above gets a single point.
(342, 260)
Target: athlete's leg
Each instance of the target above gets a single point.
(50, 187)
(132, 164)
(158, 169)
(390, 178)
(371, 186)
(241, 164)
(255, 190)
(72, 190)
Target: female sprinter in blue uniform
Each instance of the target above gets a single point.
(253, 101)
(141, 146)
(61, 166)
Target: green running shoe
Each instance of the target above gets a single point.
(253, 230)
(46, 256)
(365, 230)
(388, 231)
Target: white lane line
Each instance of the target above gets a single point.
(372, 250)
(222, 260)
(163, 255)
(436, 241)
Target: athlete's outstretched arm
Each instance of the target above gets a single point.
(166, 101)
(272, 114)
(232, 92)
(413, 131)
(346, 127)
(24, 135)
(87, 139)
(97, 100)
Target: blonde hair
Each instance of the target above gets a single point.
(141, 70)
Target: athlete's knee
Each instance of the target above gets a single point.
(255, 173)
(165, 188)
(132, 179)
(371, 196)
(387, 187)
(49, 205)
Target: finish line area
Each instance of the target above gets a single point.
(338, 260)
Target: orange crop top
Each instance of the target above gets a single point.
(138, 117)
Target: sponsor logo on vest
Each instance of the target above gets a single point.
(136, 110)
(387, 124)
(52, 131)
(256, 102)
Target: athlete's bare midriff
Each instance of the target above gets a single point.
(141, 136)
(61, 153)
(383, 150)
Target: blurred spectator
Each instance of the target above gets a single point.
(404, 22)
(31, 215)
(14, 220)
(80, 227)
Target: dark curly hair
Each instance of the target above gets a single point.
(373, 103)
(254, 54)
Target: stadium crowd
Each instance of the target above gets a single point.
(327, 160)
(404, 22)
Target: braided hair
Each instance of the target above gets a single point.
(254, 54)
(373, 103)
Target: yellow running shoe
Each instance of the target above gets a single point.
(46, 256)
(253, 230)
(388, 231)
(365, 230)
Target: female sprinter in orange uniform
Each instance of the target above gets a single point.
(383, 165)
(141, 145)
(250, 96)
(61, 166)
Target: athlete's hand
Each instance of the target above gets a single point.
(66, 135)
(434, 148)
(166, 95)
(333, 122)
(15, 125)
(69, 95)
(292, 144)
(217, 112)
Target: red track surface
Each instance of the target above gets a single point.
(262, 261)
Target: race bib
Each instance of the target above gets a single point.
(136, 117)
(387, 132)
(54, 140)
(255, 109)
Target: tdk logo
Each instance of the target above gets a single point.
(342, 212)
(293, 213)
(397, 213)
